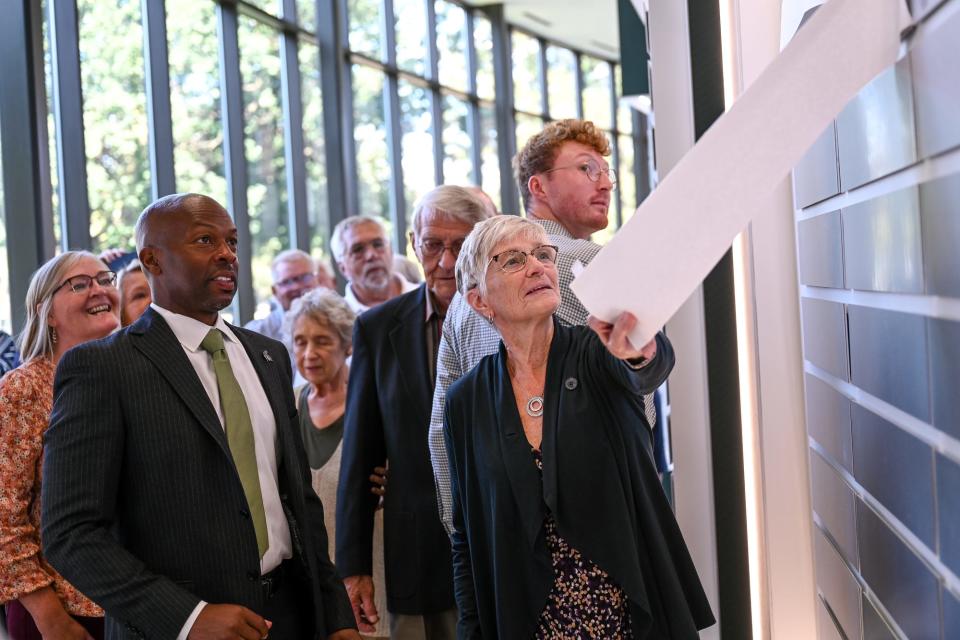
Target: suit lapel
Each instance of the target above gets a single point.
(155, 340)
(409, 342)
(516, 452)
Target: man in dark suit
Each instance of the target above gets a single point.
(175, 489)
(387, 415)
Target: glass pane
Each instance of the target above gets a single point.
(114, 119)
(195, 98)
(526, 73)
(6, 323)
(51, 127)
(527, 126)
(624, 112)
(562, 82)
(263, 148)
(452, 45)
(365, 21)
(626, 178)
(596, 91)
(318, 214)
(416, 143)
(483, 43)
(370, 136)
(307, 14)
(411, 20)
(270, 6)
(457, 167)
(490, 162)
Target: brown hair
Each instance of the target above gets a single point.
(541, 150)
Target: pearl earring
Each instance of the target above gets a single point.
(53, 335)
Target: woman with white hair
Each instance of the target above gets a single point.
(71, 299)
(548, 438)
(320, 326)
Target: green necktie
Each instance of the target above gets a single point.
(239, 430)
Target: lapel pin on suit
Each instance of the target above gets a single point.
(266, 356)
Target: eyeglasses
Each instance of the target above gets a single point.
(357, 251)
(80, 284)
(514, 260)
(304, 279)
(592, 171)
(431, 247)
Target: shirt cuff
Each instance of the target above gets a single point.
(188, 625)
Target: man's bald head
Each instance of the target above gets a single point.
(154, 221)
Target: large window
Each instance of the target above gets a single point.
(412, 92)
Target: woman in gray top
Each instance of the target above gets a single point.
(320, 325)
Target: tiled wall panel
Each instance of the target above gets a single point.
(834, 503)
(897, 470)
(945, 374)
(837, 586)
(880, 311)
(936, 81)
(902, 582)
(825, 336)
(888, 357)
(817, 176)
(821, 251)
(828, 417)
(948, 493)
(882, 244)
(875, 132)
(940, 222)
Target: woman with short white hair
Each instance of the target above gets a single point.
(548, 439)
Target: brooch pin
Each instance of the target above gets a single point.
(266, 356)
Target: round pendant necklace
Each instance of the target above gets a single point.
(535, 406)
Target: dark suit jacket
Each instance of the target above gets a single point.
(387, 417)
(599, 484)
(143, 510)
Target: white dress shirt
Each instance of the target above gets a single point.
(190, 333)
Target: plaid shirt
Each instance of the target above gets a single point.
(467, 338)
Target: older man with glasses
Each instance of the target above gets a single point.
(294, 273)
(388, 410)
(364, 256)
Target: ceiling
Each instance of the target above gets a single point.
(588, 25)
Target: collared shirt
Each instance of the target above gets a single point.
(359, 307)
(432, 327)
(190, 333)
(468, 337)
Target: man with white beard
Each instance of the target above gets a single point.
(362, 251)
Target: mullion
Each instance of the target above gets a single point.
(234, 160)
(296, 171)
(68, 114)
(159, 119)
(436, 100)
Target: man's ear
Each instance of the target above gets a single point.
(535, 185)
(150, 260)
(478, 304)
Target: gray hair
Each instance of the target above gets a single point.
(290, 255)
(339, 231)
(325, 307)
(456, 203)
(476, 252)
(35, 341)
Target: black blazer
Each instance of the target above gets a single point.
(387, 417)
(143, 510)
(599, 483)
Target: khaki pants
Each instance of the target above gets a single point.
(432, 626)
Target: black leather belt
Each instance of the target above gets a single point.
(272, 581)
